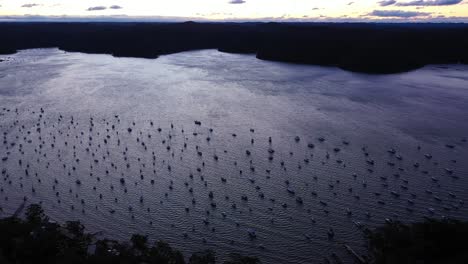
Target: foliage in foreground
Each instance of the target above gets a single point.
(37, 240)
(432, 241)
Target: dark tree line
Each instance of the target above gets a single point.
(35, 239)
(429, 242)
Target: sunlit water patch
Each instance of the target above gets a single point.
(208, 150)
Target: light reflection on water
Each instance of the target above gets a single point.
(231, 94)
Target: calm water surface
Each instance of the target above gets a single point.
(330, 162)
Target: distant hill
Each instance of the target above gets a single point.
(360, 47)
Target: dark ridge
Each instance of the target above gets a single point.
(359, 47)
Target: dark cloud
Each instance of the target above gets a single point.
(237, 2)
(115, 7)
(96, 8)
(397, 13)
(387, 2)
(350, 3)
(29, 5)
(430, 3)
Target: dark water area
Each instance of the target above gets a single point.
(113, 142)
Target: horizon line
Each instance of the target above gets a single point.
(167, 19)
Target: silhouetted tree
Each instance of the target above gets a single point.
(35, 215)
(432, 241)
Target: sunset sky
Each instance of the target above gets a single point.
(242, 10)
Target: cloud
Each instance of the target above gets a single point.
(115, 7)
(123, 18)
(387, 2)
(430, 3)
(237, 2)
(29, 5)
(397, 13)
(96, 8)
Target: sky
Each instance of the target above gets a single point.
(237, 10)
